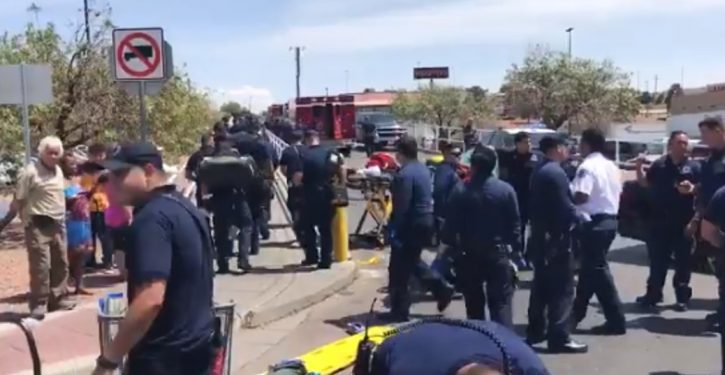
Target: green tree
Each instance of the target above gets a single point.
(645, 97)
(88, 105)
(559, 89)
(442, 105)
(232, 108)
(675, 90)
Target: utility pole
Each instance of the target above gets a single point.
(656, 79)
(568, 31)
(35, 9)
(88, 24)
(682, 77)
(638, 82)
(298, 66)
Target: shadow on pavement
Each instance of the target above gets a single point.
(633, 255)
(11, 316)
(15, 299)
(291, 268)
(672, 326)
(280, 244)
(367, 318)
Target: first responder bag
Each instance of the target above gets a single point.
(228, 172)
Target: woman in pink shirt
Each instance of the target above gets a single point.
(118, 219)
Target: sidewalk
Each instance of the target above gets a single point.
(277, 287)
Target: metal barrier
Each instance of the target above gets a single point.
(108, 328)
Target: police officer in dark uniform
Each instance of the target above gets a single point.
(291, 164)
(318, 167)
(411, 228)
(482, 221)
(553, 216)
(230, 210)
(445, 179)
(712, 178)
(247, 143)
(471, 347)
(517, 171)
(673, 207)
(370, 133)
(192, 165)
(713, 225)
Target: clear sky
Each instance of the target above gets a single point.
(239, 49)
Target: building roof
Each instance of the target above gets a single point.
(700, 99)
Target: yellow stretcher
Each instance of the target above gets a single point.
(339, 355)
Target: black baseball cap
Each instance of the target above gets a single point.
(309, 133)
(134, 155)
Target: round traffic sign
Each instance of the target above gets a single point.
(149, 65)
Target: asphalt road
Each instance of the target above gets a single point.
(659, 342)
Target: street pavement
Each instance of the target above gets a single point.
(659, 341)
(277, 287)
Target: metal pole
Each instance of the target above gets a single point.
(88, 25)
(298, 65)
(142, 110)
(568, 31)
(25, 116)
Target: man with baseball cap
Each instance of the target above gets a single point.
(169, 263)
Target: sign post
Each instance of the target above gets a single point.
(141, 57)
(26, 85)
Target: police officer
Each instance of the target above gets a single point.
(467, 348)
(370, 133)
(411, 227)
(670, 180)
(713, 225)
(553, 216)
(482, 221)
(230, 210)
(712, 178)
(445, 179)
(248, 143)
(517, 172)
(192, 165)
(291, 165)
(597, 187)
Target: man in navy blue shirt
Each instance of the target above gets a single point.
(553, 216)
(291, 165)
(446, 349)
(670, 180)
(169, 322)
(411, 226)
(445, 179)
(483, 223)
(712, 228)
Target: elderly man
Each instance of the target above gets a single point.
(40, 202)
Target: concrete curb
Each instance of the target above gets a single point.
(267, 314)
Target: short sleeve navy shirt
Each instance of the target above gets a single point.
(292, 160)
(166, 243)
(441, 349)
(715, 212)
(663, 177)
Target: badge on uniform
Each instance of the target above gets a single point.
(581, 173)
(534, 157)
(686, 169)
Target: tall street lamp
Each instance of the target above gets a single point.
(568, 31)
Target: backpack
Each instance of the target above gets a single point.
(228, 172)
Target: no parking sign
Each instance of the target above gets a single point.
(139, 54)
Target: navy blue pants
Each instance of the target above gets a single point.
(317, 218)
(228, 214)
(487, 280)
(405, 263)
(595, 278)
(663, 244)
(552, 290)
(197, 362)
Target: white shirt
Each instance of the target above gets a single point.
(600, 179)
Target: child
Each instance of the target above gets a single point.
(118, 219)
(98, 203)
(78, 222)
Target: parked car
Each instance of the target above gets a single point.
(388, 130)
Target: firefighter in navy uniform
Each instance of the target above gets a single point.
(445, 179)
(291, 165)
(670, 180)
(553, 216)
(517, 171)
(319, 166)
(247, 143)
(192, 165)
(712, 178)
(411, 228)
(483, 223)
(470, 347)
(230, 210)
